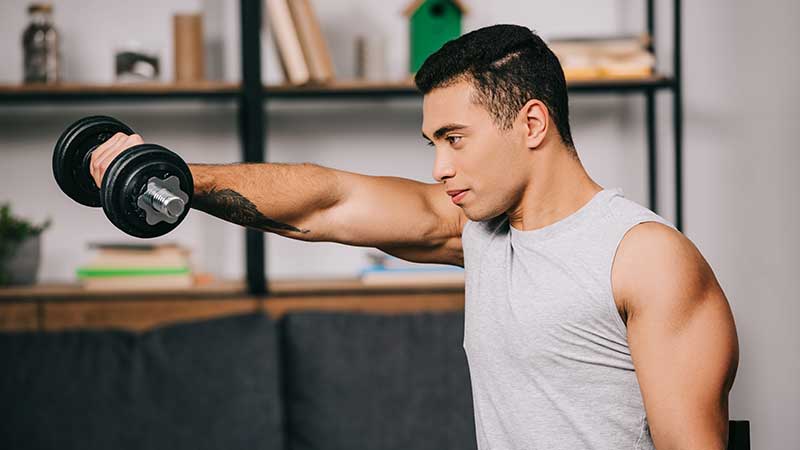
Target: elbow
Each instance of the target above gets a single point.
(710, 435)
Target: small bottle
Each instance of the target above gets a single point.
(40, 44)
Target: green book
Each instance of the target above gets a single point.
(100, 272)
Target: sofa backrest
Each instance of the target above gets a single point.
(205, 385)
(363, 381)
(310, 381)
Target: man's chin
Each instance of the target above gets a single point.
(473, 216)
(480, 216)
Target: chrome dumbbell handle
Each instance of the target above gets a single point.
(163, 200)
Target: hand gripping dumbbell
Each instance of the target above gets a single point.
(146, 190)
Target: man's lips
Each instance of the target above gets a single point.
(457, 194)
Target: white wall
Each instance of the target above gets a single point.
(740, 163)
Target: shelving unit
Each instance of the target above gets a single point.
(251, 97)
(72, 92)
(648, 87)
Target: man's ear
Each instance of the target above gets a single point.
(535, 121)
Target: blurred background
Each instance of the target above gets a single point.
(740, 101)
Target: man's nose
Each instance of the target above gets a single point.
(443, 169)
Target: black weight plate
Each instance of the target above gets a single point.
(80, 138)
(126, 179)
(66, 163)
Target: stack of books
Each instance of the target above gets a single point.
(302, 51)
(387, 270)
(139, 267)
(625, 57)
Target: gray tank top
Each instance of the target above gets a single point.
(548, 353)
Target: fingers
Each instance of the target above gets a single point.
(99, 152)
(103, 160)
(108, 151)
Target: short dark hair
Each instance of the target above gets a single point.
(508, 65)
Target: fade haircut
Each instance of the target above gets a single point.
(507, 65)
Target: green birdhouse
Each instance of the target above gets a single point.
(432, 23)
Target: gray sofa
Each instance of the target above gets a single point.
(309, 381)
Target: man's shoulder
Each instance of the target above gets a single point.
(652, 238)
(654, 258)
(629, 212)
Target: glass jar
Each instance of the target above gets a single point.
(40, 44)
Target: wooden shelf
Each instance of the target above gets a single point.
(223, 289)
(344, 88)
(17, 93)
(633, 84)
(406, 88)
(77, 91)
(55, 291)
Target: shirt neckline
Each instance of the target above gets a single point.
(589, 208)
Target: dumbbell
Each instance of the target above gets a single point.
(146, 190)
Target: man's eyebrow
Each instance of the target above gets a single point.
(444, 130)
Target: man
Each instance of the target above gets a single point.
(590, 322)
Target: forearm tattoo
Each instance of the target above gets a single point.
(232, 206)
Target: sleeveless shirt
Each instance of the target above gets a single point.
(547, 350)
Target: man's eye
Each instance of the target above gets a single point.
(453, 137)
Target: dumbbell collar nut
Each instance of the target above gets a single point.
(162, 200)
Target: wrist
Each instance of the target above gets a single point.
(202, 177)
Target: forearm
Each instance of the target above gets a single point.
(279, 198)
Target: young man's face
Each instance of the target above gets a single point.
(473, 154)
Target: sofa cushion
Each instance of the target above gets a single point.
(203, 385)
(362, 381)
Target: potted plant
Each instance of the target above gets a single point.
(19, 248)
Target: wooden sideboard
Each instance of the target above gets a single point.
(54, 307)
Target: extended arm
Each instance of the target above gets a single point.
(412, 220)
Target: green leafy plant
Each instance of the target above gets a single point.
(16, 229)
(13, 231)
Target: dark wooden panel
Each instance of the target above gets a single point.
(18, 317)
(382, 304)
(138, 315)
(219, 289)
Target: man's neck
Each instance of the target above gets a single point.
(559, 186)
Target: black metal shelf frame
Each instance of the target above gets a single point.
(252, 129)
